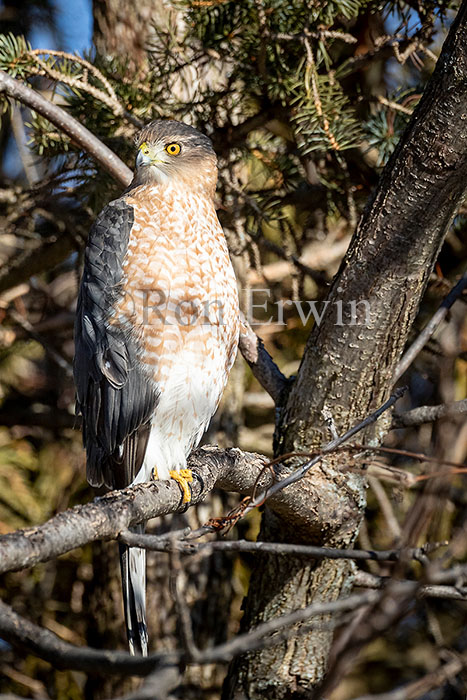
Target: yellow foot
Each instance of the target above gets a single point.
(155, 475)
(183, 477)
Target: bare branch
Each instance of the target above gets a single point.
(81, 82)
(364, 579)
(430, 328)
(46, 645)
(265, 635)
(105, 517)
(419, 688)
(327, 449)
(109, 515)
(427, 414)
(43, 643)
(456, 575)
(156, 686)
(30, 637)
(388, 47)
(183, 612)
(168, 544)
(70, 126)
(262, 365)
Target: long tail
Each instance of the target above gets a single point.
(133, 566)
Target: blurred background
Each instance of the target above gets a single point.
(304, 102)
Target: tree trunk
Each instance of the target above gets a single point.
(124, 29)
(348, 368)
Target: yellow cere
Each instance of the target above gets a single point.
(173, 149)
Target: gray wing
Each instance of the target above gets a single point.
(114, 394)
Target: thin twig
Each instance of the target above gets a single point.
(420, 687)
(76, 59)
(320, 35)
(428, 414)
(386, 507)
(364, 579)
(312, 73)
(408, 478)
(327, 449)
(430, 328)
(183, 611)
(394, 105)
(155, 543)
(156, 686)
(80, 82)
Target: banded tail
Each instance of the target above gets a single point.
(133, 567)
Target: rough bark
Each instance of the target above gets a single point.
(107, 516)
(349, 369)
(125, 29)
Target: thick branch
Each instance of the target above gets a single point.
(106, 517)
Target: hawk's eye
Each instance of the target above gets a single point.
(173, 149)
(144, 148)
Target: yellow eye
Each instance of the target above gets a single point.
(173, 149)
(144, 148)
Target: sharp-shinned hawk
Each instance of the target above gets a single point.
(156, 329)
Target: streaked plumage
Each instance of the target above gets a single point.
(157, 326)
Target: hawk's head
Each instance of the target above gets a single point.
(169, 150)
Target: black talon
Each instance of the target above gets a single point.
(198, 478)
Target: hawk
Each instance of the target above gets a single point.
(156, 329)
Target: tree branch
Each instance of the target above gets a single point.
(46, 645)
(331, 446)
(70, 126)
(41, 642)
(36, 640)
(364, 579)
(156, 686)
(261, 363)
(169, 544)
(107, 516)
(427, 414)
(419, 688)
(430, 328)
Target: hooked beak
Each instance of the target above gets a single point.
(141, 159)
